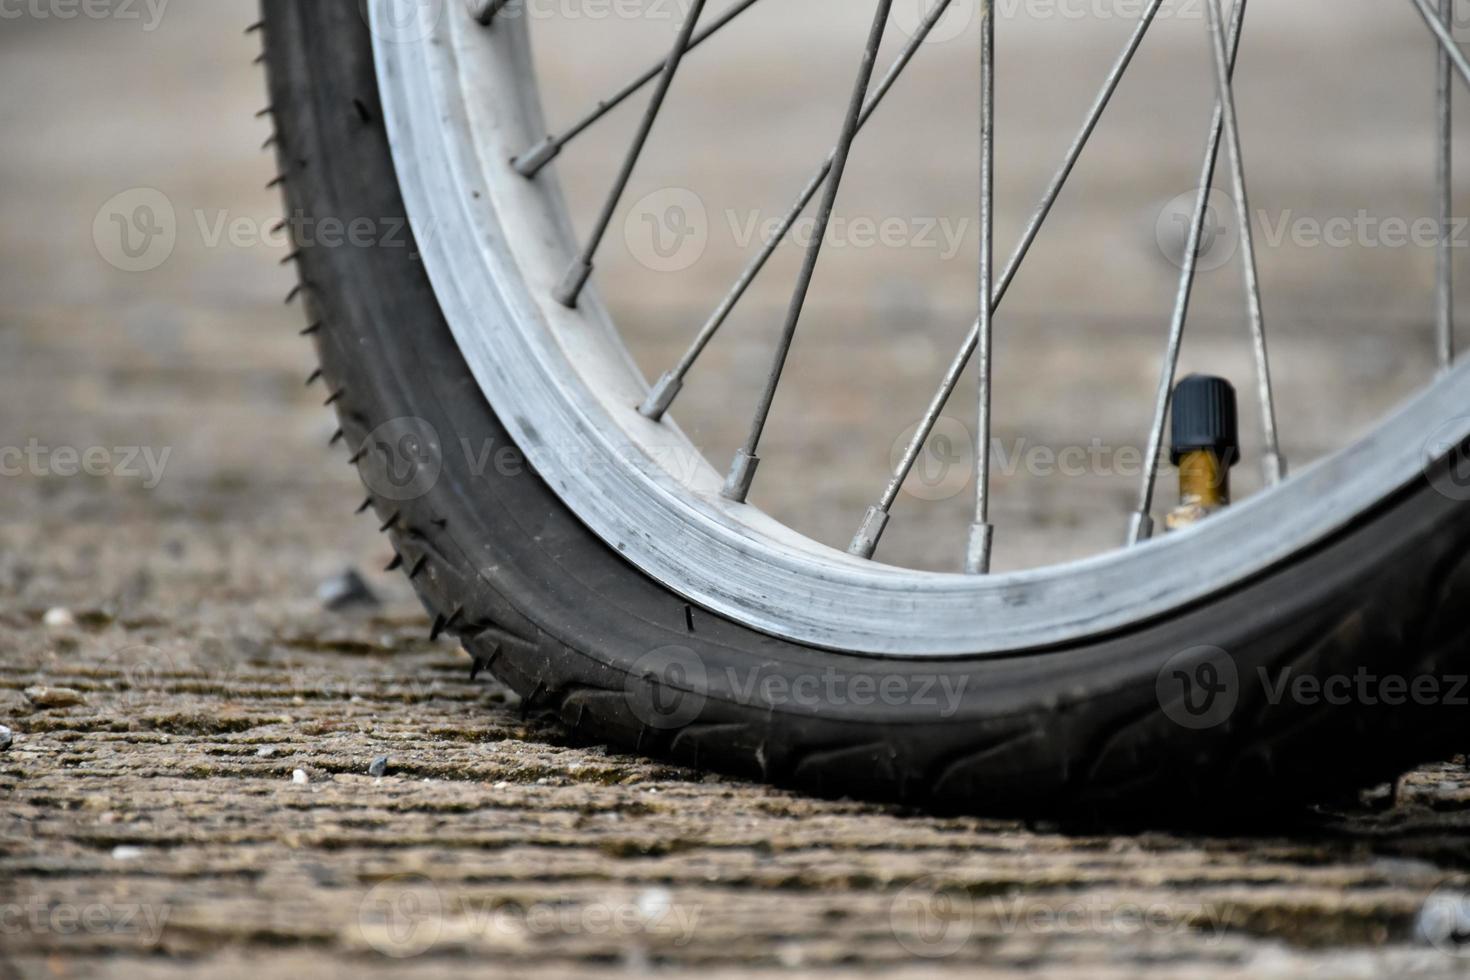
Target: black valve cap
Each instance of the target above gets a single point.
(1205, 418)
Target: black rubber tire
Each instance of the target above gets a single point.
(563, 620)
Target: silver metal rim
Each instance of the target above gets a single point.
(460, 101)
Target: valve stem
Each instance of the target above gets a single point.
(1206, 446)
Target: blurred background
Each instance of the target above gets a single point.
(195, 352)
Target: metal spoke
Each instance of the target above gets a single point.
(1445, 272)
(530, 163)
(865, 543)
(1446, 40)
(1273, 462)
(662, 396)
(1450, 57)
(1140, 525)
(742, 470)
(982, 533)
(581, 270)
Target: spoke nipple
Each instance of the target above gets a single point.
(1274, 465)
(1140, 528)
(571, 285)
(977, 554)
(742, 475)
(656, 405)
(529, 164)
(865, 542)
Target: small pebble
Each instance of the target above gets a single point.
(7, 738)
(379, 766)
(345, 591)
(59, 619)
(54, 697)
(654, 903)
(299, 777)
(1379, 797)
(266, 752)
(124, 853)
(1444, 921)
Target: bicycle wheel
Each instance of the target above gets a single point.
(553, 517)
